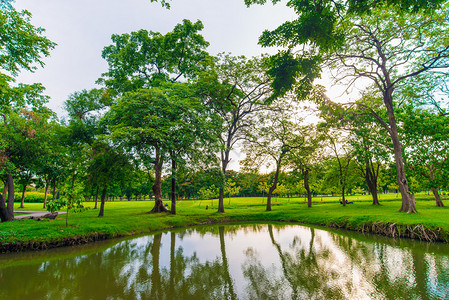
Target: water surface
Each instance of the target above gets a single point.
(233, 262)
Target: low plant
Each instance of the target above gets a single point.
(71, 199)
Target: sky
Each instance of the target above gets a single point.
(82, 28)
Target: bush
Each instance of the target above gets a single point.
(32, 197)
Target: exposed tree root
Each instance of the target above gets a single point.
(417, 232)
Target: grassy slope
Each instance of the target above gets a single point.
(125, 218)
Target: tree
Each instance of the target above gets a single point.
(317, 21)
(234, 88)
(366, 39)
(82, 130)
(107, 165)
(376, 48)
(194, 134)
(249, 179)
(144, 60)
(51, 166)
(231, 189)
(370, 143)
(304, 158)
(22, 46)
(342, 156)
(426, 146)
(23, 136)
(208, 193)
(141, 122)
(271, 143)
(263, 187)
(321, 12)
(72, 199)
(153, 124)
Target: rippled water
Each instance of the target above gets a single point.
(233, 262)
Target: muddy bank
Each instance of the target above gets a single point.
(44, 245)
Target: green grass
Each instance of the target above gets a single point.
(127, 218)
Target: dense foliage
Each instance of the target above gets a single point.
(169, 118)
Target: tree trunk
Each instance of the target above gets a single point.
(371, 182)
(437, 197)
(10, 205)
(274, 186)
(53, 198)
(408, 200)
(4, 213)
(307, 187)
(103, 198)
(73, 187)
(375, 196)
(173, 187)
(434, 190)
(221, 200)
(45, 195)
(5, 190)
(343, 200)
(96, 197)
(157, 191)
(224, 165)
(23, 196)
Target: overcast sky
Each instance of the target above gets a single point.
(81, 28)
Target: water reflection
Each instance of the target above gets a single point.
(233, 262)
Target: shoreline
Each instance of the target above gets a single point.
(386, 229)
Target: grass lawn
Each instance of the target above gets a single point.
(126, 218)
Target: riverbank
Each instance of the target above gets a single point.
(130, 218)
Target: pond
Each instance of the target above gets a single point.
(250, 261)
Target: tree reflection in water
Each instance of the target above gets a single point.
(235, 262)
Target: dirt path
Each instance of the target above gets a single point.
(33, 213)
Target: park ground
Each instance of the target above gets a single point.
(131, 217)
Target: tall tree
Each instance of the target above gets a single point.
(304, 159)
(342, 156)
(195, 134)
(107, 165)
(276, 137)
(23, 136)
(51, 165)
(140, 122)
(234, 88)
(81, 130)
(381, 47)
(143, 60)
(384, 41)
(22, 46)
(370, 142)
(426, 146)
(154, 124)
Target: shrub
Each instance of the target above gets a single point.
(32, 197)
